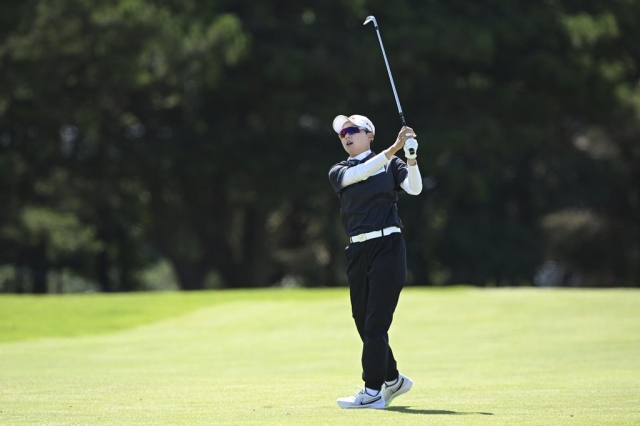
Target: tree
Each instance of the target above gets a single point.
(86, 83)
(201, 133)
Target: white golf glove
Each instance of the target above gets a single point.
(411, 148)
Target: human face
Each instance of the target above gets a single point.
(358, 143)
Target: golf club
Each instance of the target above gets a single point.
(393, 86)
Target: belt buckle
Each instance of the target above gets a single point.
(361, 238)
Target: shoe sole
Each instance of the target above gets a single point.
(370, 406)
(376, 404)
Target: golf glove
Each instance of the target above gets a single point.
(411, 148)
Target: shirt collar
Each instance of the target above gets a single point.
(362, 156)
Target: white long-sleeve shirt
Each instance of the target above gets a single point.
(412, 183)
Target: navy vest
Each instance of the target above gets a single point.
(371, 204)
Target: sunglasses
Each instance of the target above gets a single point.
(351, 131)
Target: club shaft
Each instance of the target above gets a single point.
(393, 86)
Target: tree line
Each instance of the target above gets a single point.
(197, 136)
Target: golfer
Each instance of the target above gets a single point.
(368, 185)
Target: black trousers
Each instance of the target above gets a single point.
(377, 271)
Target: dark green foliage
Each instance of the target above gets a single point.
(137, 130)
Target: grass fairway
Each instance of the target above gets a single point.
(282, 357)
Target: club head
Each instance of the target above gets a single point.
(369, 19)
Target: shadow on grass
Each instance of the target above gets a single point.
(410, 410)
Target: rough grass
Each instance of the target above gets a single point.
(26, 317)
(276, 357)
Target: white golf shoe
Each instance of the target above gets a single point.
(362, 400)
(403, 385)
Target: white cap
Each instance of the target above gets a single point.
(358, 120)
